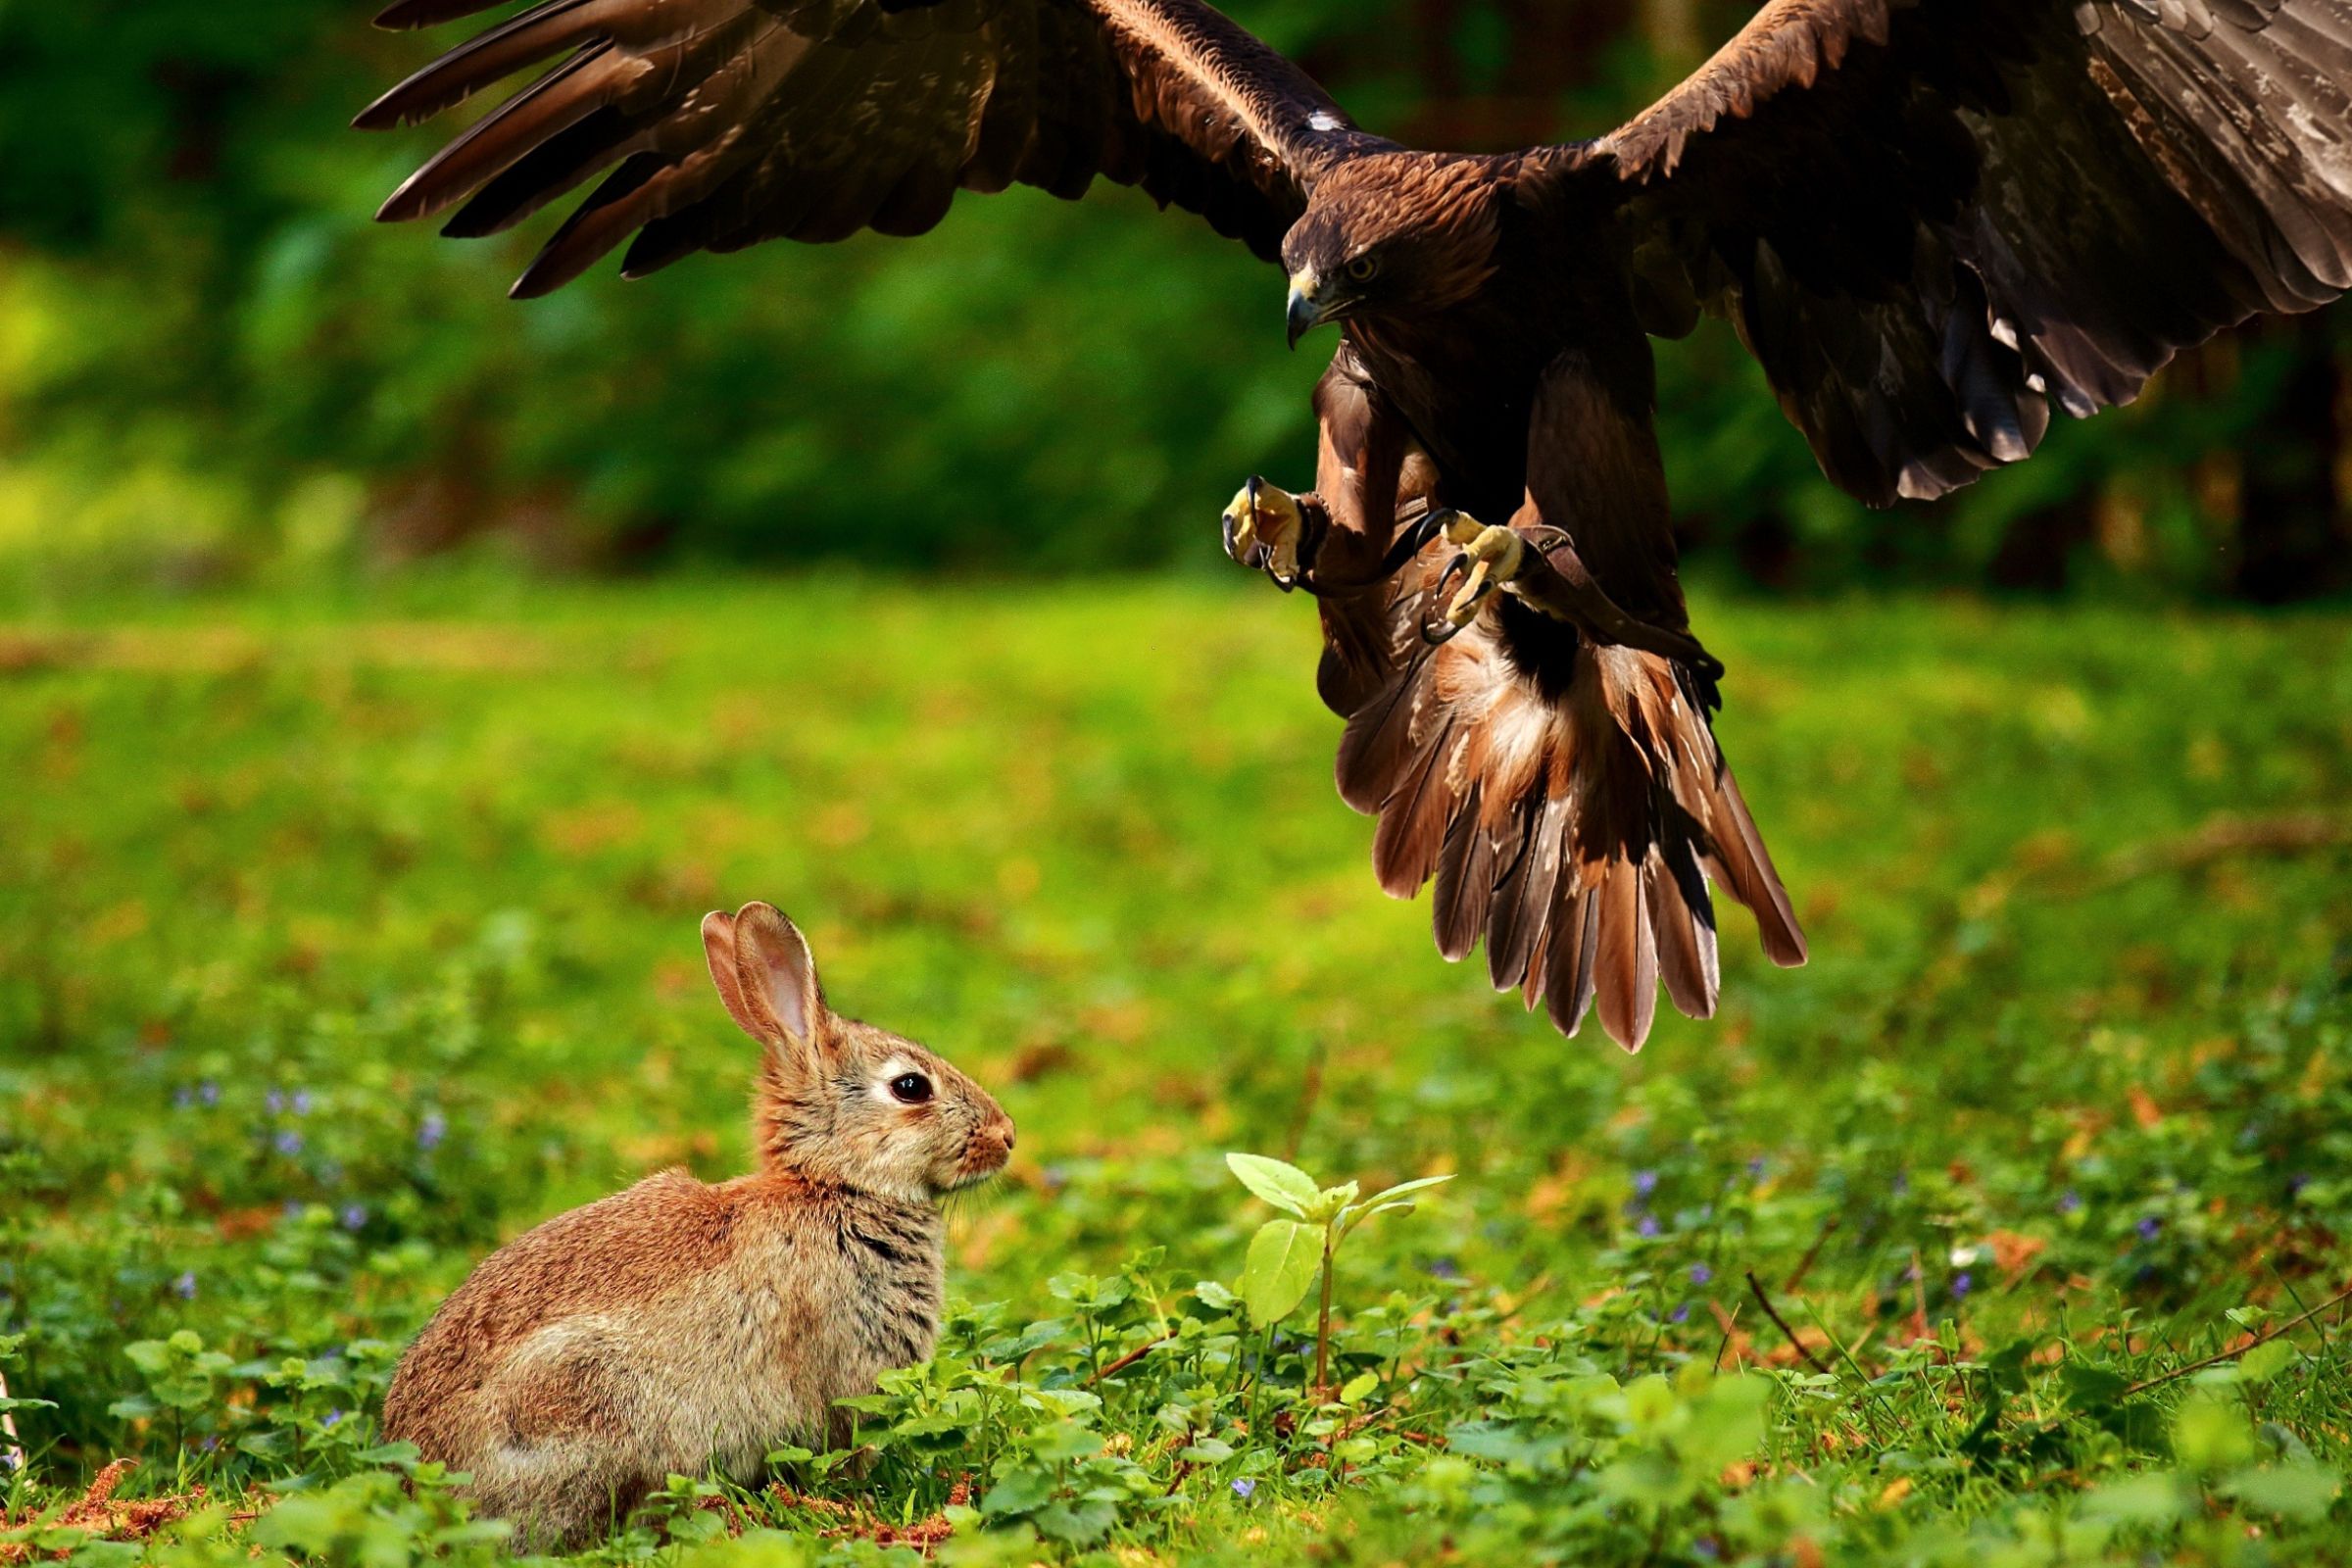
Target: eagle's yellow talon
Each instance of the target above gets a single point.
(1240, 521)
(1496, 556)
(1262, 528)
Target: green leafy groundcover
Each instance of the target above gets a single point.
(337, 943)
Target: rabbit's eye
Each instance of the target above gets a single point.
(911, 1088)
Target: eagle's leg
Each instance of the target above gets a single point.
(1548, 575)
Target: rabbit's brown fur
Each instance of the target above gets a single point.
(679, 1326)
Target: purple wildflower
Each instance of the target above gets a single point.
(1245, 1488)
(290, 1142)
(2069, 1201)
(275, 1100)
(2150, 1228)
(1445, 1268)
(208, 1093)
(330, 1418)
(183, 1097)
(1649, 1225)
(353, 1216)
(1962, 1284)
(184, 1287)
(1681, 1313)
(1755, 1168)
(1645, 1181)
(1700, 1273)
(300, 1103)
(431, 1130)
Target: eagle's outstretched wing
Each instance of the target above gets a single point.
(718, 124)
(1929, 218)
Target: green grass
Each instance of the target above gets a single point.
(2072, 1045)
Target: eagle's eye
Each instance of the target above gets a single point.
(1364, 268)
(911, 1088)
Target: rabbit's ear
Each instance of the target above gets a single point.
(718, 948)
(760, 963)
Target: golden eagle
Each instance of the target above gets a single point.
(1927, 219)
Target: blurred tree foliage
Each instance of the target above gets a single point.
(210, 359)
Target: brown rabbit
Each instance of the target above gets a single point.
(679, 1326)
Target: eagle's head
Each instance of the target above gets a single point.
(1394, 234)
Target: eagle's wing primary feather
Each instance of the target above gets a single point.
(1928, 217)
(718, 124)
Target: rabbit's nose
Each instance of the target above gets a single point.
(1006, 1136)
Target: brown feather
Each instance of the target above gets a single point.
(571, 93)
(1379, 743)
(1741, 864)
(1413, 821)
(1467, 868)
(1684, 918)
(1575, 944)
(1627, 970)
(1516, 914)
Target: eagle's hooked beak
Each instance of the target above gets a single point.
(1306, 312)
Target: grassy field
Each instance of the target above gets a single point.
(337, 943)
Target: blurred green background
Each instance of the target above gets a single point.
(214, 368)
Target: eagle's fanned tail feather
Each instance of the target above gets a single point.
(1573, 827)
(1685, 920)
(1514, 921)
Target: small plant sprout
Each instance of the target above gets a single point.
(1286, 1254)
